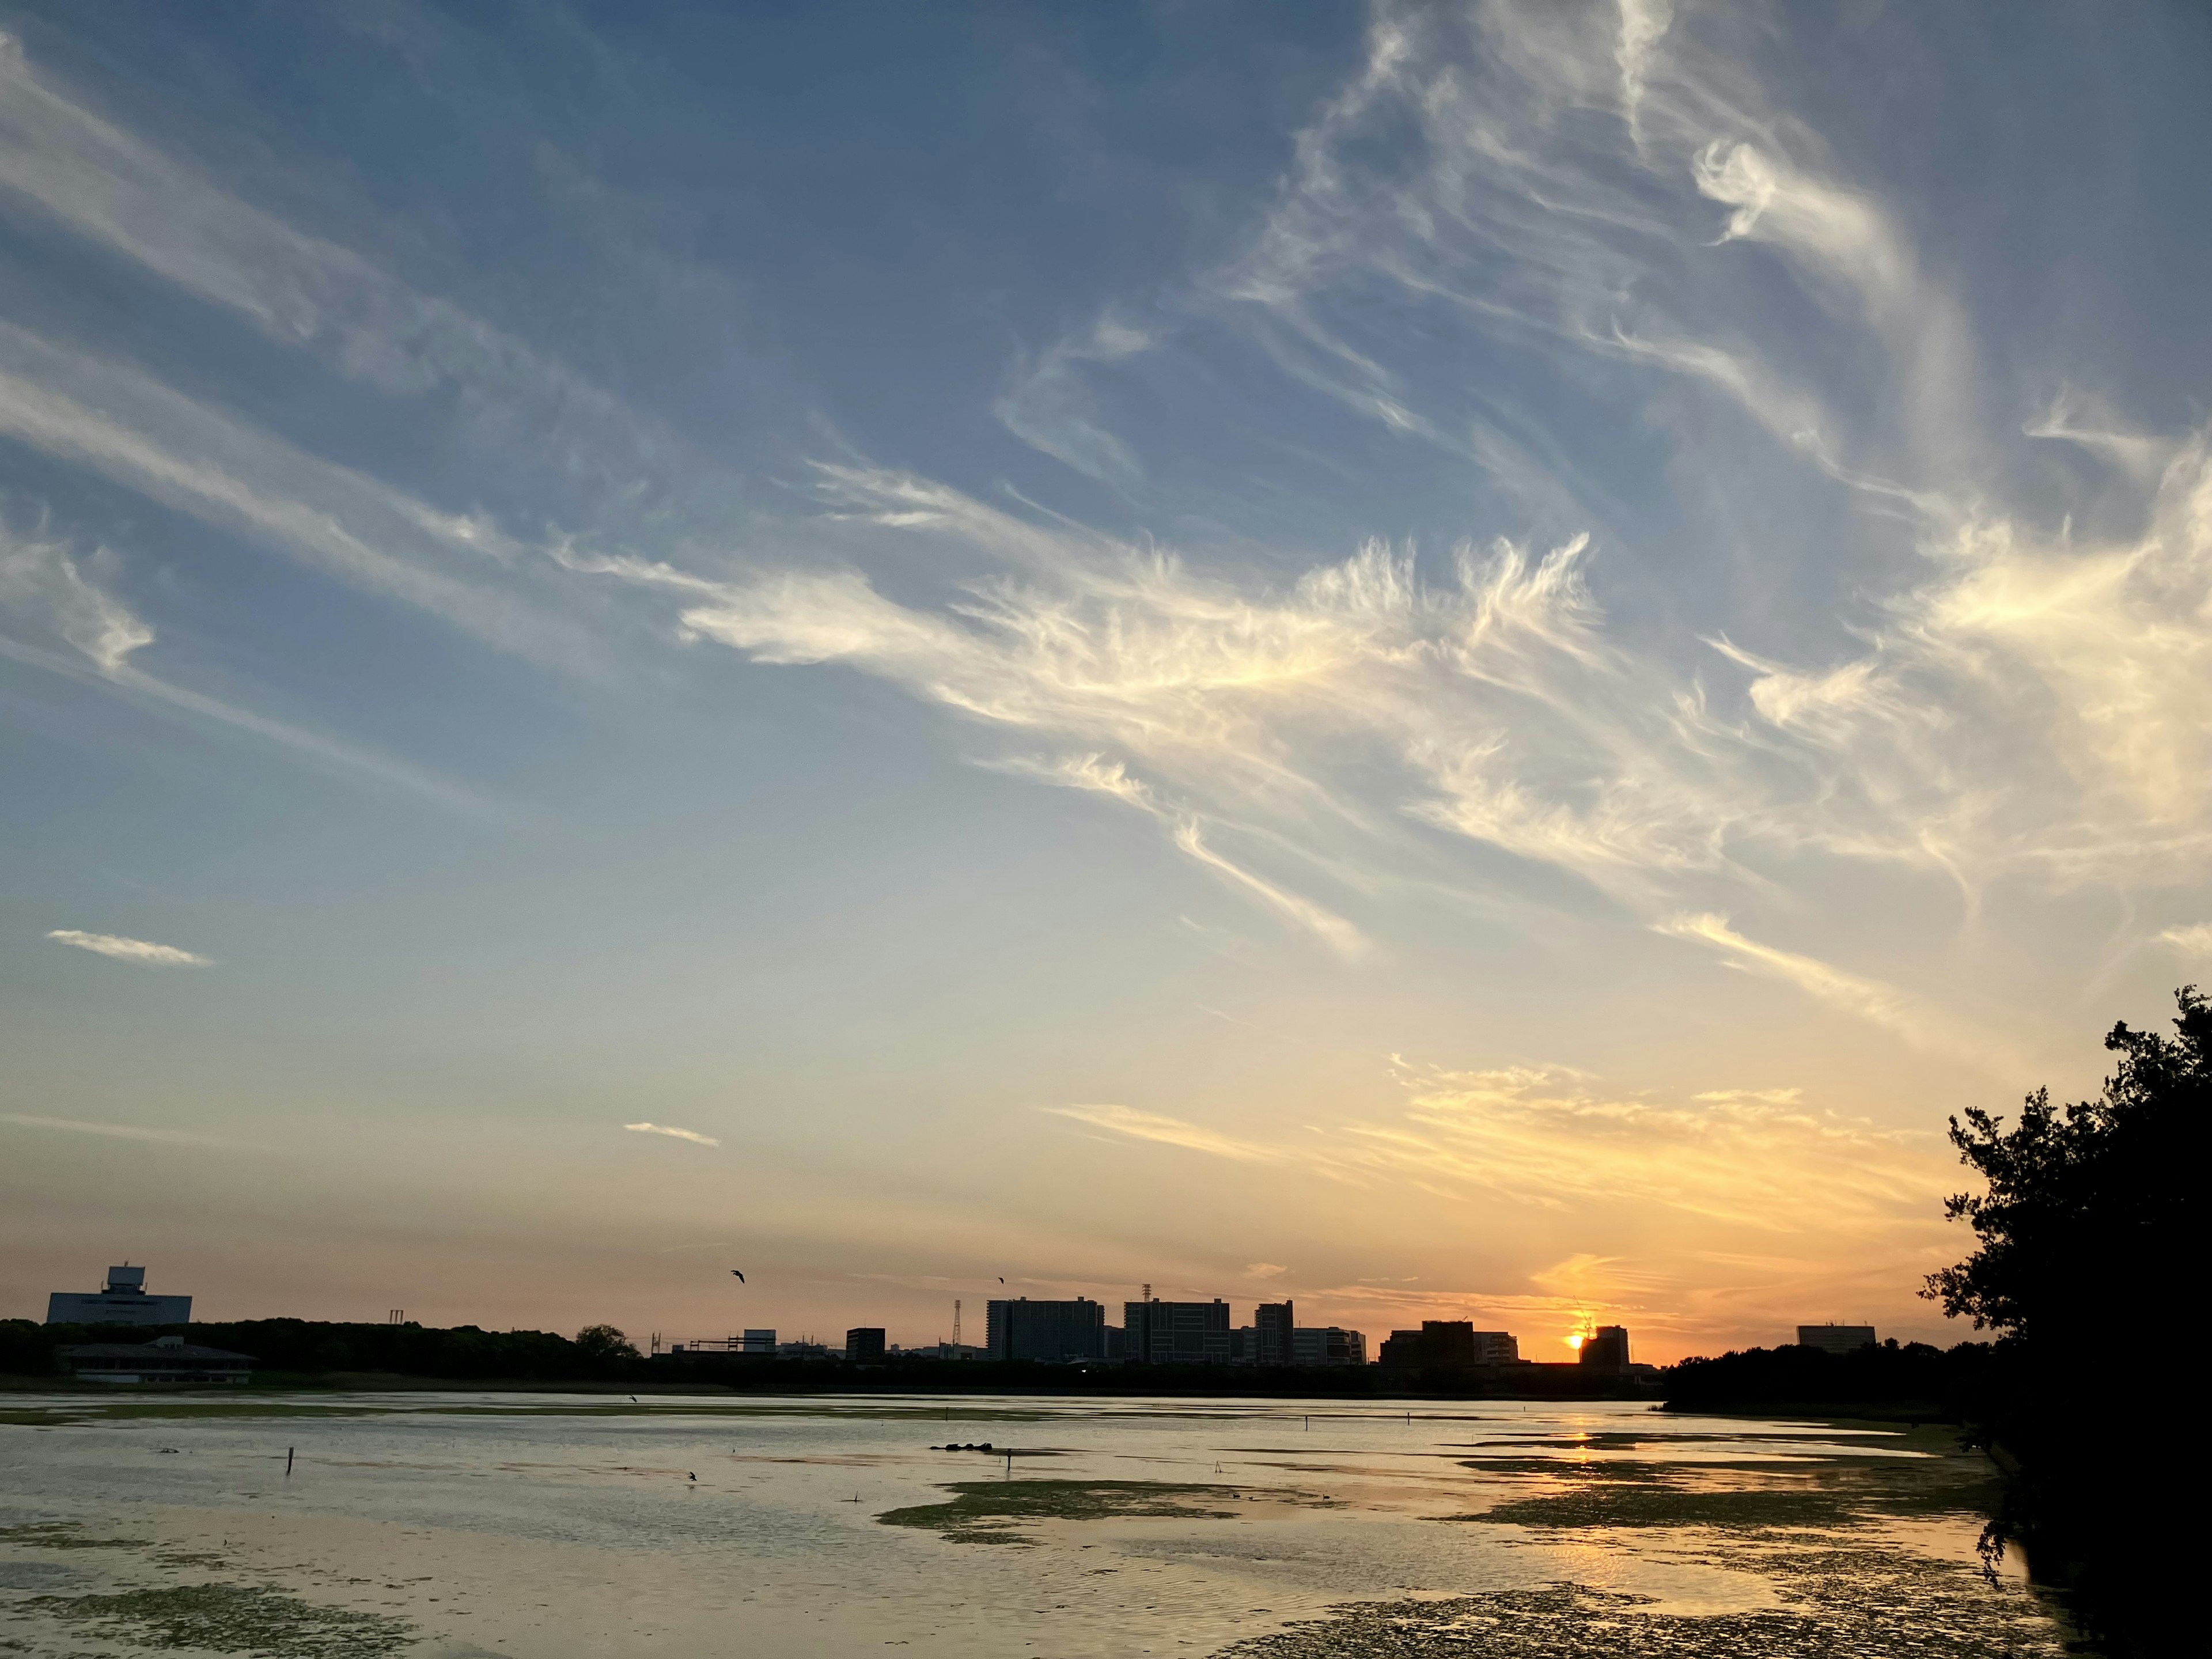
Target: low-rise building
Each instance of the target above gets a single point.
(121, 1301)
(1836, 1338)
(1450, 1345)
(1327, 1344)
(865, 1346)
(167, 1359)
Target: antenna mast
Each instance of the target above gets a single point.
(956, 1327)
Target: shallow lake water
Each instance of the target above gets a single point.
(470, 1525)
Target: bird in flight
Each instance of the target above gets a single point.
(1002, 1278)
(741, 1277)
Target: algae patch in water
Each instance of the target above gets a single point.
(988, 1511)
(230, 1618)
(1943, 1614)
(63, 1535)
(1668, 1506)
(1846, 1493)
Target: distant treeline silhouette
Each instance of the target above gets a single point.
(1914, 1378)
(306, 1348)
(304, 1352)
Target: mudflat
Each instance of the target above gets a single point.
(470, 1526)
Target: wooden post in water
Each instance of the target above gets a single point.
(288, 1452)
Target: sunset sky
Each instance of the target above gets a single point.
(1452, 661)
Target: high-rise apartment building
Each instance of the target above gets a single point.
(1049, 1331)
(1604, 1349)
(1836, 1338)
(864, 1346)
(1158, 1333)
(1271, 1325)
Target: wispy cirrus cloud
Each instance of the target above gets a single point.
(121, 423)
(60, 612)
(1169, 1131)
(1882, 1005)
(1046, 405)
(44, 582)
(2193, 940)
(1547, 1138)
(692, 1135)
(143, 200)
(138, 951)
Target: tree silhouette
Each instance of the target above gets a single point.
(605, 1345)
(2088, 1226)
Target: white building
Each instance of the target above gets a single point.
(122, 1301)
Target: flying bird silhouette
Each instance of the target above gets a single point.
(741, 1277)
(1002, 1278)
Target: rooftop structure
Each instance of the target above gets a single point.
(121, 1301)
(1836, 1338)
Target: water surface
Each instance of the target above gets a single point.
(467, 1526)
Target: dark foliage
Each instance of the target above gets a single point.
(306, 1351)
(2086, 1229)
(1916, 1378)
(302, 1346)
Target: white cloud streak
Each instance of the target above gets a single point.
(119, 1131)
(691, 1135)
(138, 951)
(1885, 1006)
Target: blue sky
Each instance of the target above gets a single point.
(1454, 661)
